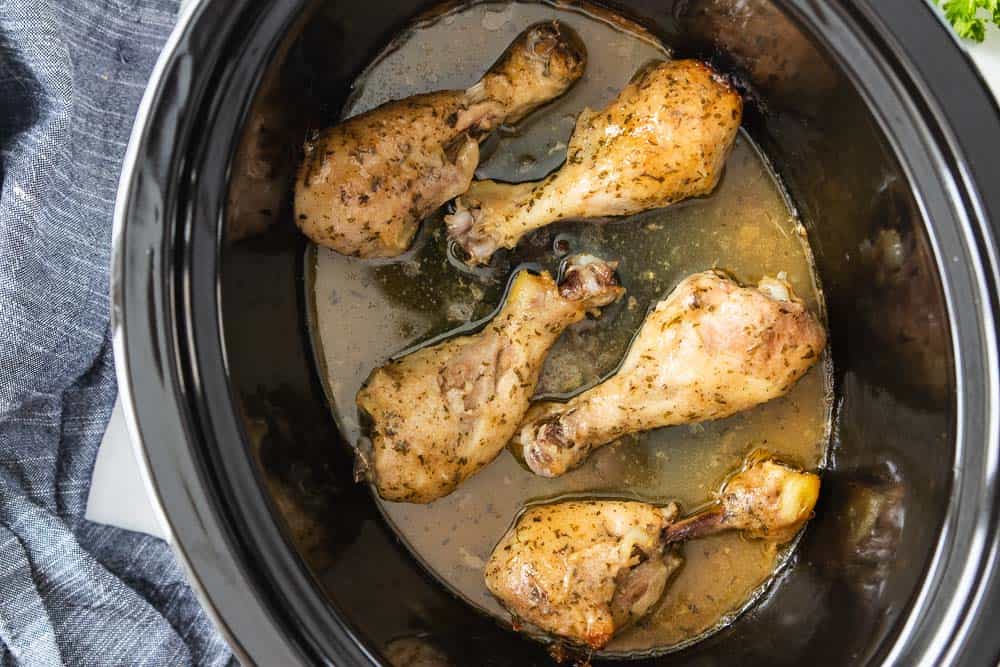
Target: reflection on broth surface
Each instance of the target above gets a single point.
(366, 311)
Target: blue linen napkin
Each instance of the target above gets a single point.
(72, 592)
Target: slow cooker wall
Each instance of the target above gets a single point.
(889, 479)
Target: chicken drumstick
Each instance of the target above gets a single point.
(665, 138)
(365, 184)
(443, 412)
(709, 350)
(583, 570)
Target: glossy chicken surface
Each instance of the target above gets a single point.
(443, 412)
(711, 349)
(582, 570)
(663, 139)
(364, 185)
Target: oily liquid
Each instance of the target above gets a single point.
(367, 311)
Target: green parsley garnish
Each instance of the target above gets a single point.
(971, 16)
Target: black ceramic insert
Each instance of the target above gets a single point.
(888, 143)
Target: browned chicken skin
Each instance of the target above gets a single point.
(445, 411)
(663, 139)
(583, 570)
(561, 566)
(365, 184)
(709, 350)
(766, 500)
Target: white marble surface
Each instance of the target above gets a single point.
(118, 495)
(987, 57)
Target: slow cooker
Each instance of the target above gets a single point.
(889, 145)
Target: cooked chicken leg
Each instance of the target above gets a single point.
(766, 500)
(442, 413)
(709, 350)
(582, 570)
(365, 185)
(664, 139)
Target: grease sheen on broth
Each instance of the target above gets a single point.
(365, 311)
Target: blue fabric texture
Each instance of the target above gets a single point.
(72, 592)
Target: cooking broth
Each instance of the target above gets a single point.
(366, 311)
